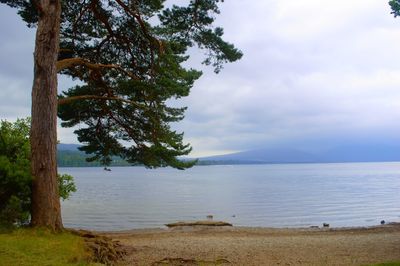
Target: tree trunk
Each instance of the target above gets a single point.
(46, 210)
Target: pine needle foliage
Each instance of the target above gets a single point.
(129, 57)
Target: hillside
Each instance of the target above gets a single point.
(68, 155)
(338, 154)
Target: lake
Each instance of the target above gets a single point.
(278, 195)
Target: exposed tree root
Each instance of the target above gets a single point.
(103, 249)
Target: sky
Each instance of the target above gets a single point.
(314, 74)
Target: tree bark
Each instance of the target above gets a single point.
(46, 210)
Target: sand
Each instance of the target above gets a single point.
(204, 245)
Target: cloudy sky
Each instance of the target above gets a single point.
(314, 74)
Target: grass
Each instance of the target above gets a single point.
(41, 247)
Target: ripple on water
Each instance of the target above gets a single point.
(290, 195)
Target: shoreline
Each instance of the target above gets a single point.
(165, 228)
(205, 245)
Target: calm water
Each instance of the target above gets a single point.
(285, 195)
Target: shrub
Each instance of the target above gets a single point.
(15, 175)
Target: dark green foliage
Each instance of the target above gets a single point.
(129, 56)
(395, 5)
(26, 10)
(66, 186)
(15, 176)
(191, 25)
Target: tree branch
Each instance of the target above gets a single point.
(153, 40)
(96, 97)
(38, 7)
(70, 62)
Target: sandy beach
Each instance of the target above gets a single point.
(203, 245)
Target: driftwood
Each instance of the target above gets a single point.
(199, 223)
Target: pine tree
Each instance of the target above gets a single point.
(128, 56)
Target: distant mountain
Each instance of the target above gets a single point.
(346, 153)
(69, 155)
(265, 156)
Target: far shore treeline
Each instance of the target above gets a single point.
(68, 158)
(69, 155)
(78, 159)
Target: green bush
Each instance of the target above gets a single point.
(66, 186)
(15, 176)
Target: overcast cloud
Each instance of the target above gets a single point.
(314, 73)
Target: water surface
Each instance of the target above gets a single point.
(280, 195)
